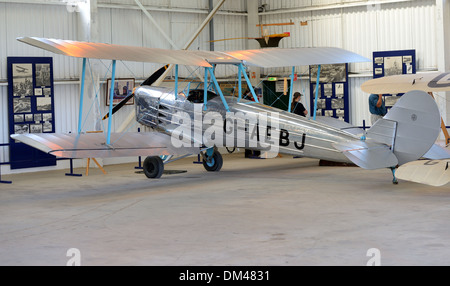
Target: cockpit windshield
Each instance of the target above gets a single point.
(197, 95)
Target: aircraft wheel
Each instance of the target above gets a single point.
(215, 163)
(153, 167)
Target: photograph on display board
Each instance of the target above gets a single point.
(21, 128)
(339, 89)
(22, 105)
(389, 101)
(47, 127)
(379, 60)
(47, 91)
(22, 79)
(38, 91)
(28, 117)
(18, 118)
(329, 113)
(328, 90)
(337, 103)
(321, 103)
(340, 113)
(47, 117)
(409, 68)
(314, 90)
(393, 66)
(43, 103)
(329, 73)
(407, 59)
(38, 117)
(35, 128)
(122, 88)
(42, 75)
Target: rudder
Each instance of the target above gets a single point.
(411, 126)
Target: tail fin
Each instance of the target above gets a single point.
(411, 127)
(405, 134)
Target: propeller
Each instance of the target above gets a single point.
(149, 81)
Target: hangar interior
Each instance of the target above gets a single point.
(363, 27)
(358, 26)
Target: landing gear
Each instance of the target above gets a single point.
(394, 180)
(212, 161)
(153, 167)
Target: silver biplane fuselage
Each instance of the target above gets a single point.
(295, 135)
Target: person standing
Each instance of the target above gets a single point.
(376, 107)
(297, 106)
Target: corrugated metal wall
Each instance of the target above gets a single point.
(362, 29)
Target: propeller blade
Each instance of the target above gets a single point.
(119, 105)
(149, 81)
(154, 77)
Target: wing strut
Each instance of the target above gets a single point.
(80, 115)
(317, 91)
(205, 94)
(176, 82)
(111, 97)
(291, 89)
(239, 84)
(241, 68)
(213, 78)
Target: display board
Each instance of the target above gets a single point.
(30, 107)
(389, 63)
(332, 100)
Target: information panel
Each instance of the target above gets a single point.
(332, 99)
(389, 63)
(31, 107)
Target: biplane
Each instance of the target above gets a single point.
(198, 121)
(433, 168)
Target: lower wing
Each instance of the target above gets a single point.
(93, 145)
(430, 172)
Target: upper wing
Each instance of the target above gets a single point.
(93, 145)
(428, 82)
(266, 58)
(115, 52)
(276, 57)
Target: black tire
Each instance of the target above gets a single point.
(153, 167)
(216, 162)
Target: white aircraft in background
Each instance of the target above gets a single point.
(434, 168)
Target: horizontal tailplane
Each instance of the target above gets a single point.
(367, 155)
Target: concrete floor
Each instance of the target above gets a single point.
(280, 211)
